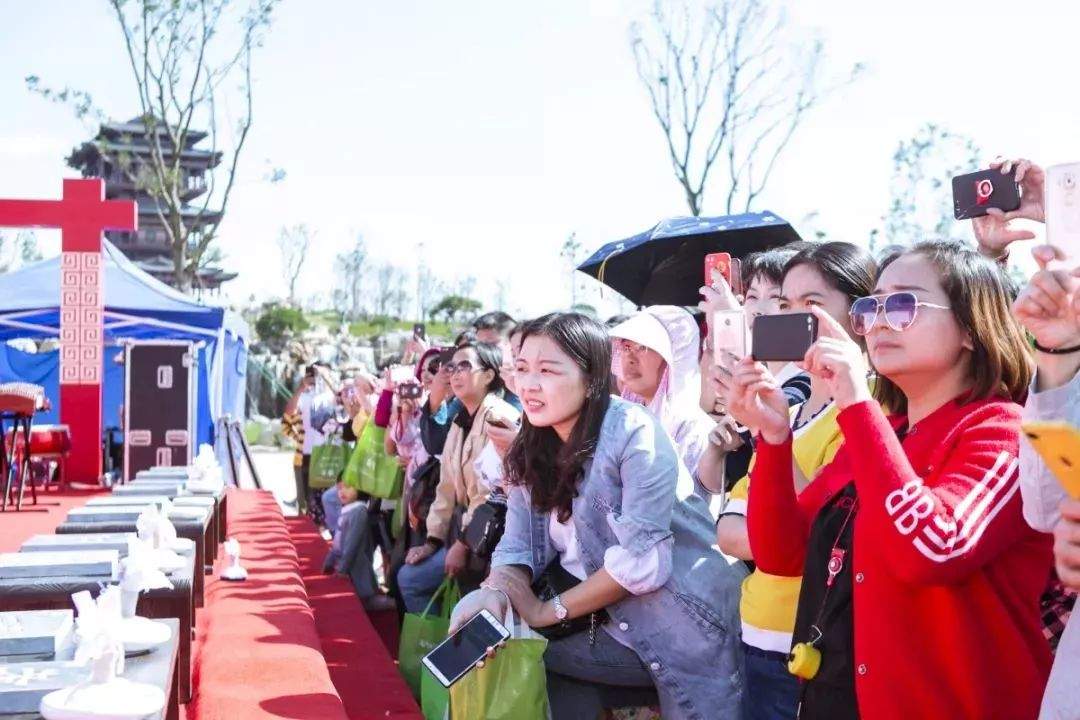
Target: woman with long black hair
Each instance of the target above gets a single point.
(597, 493)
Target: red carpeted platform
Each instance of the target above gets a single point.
(258, 654)
(360, 664)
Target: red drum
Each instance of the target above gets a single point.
(51, 440)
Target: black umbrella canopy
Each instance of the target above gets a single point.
(666, 265)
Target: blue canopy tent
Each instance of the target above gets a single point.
(137, 307)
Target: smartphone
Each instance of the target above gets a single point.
(1058, 443)
(784, 337)
(419, 331)
(1062, 202)
(975, 192)
(728, 267)
(730, 335)
(460, 652)
(409, 391)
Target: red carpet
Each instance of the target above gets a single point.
(258, 653)
(362, 669)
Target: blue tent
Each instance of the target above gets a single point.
(137, 307)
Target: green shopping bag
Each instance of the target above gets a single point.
(434, 698)
(327, 462)
(370, 469)
(421, 633)
(511, 686)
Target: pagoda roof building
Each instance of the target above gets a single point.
(120, 155)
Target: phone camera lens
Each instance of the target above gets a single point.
(1068, 181)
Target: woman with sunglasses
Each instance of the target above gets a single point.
(921, 579)
(827, 276)
(477, 384)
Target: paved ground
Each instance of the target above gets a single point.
(275, 468)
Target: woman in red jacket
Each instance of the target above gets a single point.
(921, 579)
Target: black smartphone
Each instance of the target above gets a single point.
(419, 331)
(409, 391)
(459, 653)
(975, 192)
(783, 337)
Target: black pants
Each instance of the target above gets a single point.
(302, 475)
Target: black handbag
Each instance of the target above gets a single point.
(556, 580)
(486, 526)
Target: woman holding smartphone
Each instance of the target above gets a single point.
(596, 490)
(921, 579)
(828, 276)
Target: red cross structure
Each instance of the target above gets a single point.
(82, 215)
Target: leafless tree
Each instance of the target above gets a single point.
(571, 255)
(502, 293)
(188, 59)
(293, 243)
(352, 268)
(429, 289)
(727, 88)
(389, 281)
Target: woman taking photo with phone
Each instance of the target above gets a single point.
(829, 276)
(921, 579)
(597, 492)
(477, 384)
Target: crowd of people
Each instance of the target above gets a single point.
(862, 533)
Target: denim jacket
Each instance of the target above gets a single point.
(637, 493)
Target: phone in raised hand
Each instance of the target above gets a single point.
(784, 337)
(1058, 443)
(730, 335)
(975, 193)
(1062, 207)
(726, 267)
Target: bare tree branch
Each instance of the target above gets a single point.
(726, 88)
(181, 54)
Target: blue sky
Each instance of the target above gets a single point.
(489, 130)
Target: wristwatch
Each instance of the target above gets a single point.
(561, 613)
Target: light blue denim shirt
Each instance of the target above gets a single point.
(1042, 495)
(636, 492)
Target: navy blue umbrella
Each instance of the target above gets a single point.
(665, 265)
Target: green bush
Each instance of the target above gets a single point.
(278, 323)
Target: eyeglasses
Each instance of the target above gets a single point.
(900, 309)
(631, 347)
(462, 367)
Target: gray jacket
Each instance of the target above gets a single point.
(1042, 495)
(636, 493)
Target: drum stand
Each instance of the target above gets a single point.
(15, 463)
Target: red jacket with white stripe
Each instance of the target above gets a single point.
(946, 573)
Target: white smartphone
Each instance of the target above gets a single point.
(459, 653)
(1062, 201)
(730, 335)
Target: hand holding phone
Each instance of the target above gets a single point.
(725, 266)
(977, 192)
(1058, 444)
(459, 653)
(730, 336)
(1062, 208)
(784, 337)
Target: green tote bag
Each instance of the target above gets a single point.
(421, 633)
(371, 470)
(327, 462)
(511, 686)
